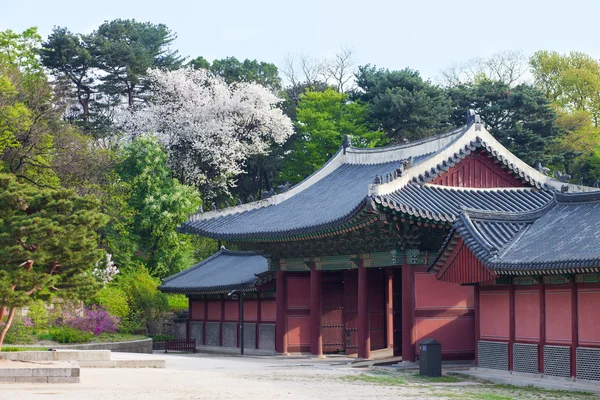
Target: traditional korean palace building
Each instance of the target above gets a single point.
(451, 237)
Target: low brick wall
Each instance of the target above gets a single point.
(133, 346)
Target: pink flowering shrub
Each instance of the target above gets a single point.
(94, 320)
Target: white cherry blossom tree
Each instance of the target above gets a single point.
(208, 128)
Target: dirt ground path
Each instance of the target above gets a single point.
(202, 377)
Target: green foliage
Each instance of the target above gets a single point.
(48, 244)
(114, 300)
(8, 349)
(145, 301)
(18, 333)
(401, 103)
(38, 314)
(324, 118)
(126, 49)
(161, 203)
(177, 302)
(20, 49)
(162, 338)
(65, 334)
(521, 118)
(233, 70)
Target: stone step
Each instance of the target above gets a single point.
(123, 364)
(57, 355)
(39, 372)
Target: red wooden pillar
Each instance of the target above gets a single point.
(187, 327)
(542, 326)
(511, 324)
(574, 327)
(476, 320)
(205, 320)
(222, 320)
(316, 332)
(389, 306)
(364, 333)
(258, 320)
(408, 312)
(281, 315)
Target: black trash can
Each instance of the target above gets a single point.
(430, 358)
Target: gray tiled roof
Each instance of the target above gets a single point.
(561, 237)
(335, 194)
(223, 271)
(445, 203)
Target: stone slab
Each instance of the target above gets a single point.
(63, 379)
(229, 334)
(197, 331)
(213, 330)
(266, 337)
(31, 379)
(249, 336)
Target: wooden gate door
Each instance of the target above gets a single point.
(377, 309)
(351, 311)
(332, 313)
(397, 300)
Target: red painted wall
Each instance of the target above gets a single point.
(214, 310)
(478, 171)
(298, 331)
(268, 310)
(443, 311)
(298, 290)
(433, 294)
(558, 316)
(589, 316)
(455, 333)
(232, 310)
(494, 314)
(463, 267)
(197, 309)
(250, 310)
(527, 315)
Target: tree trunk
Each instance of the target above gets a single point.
(9, 320)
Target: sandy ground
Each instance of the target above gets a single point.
(205, 377)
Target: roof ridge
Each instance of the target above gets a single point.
(472, 189)
(196, 266)
(508, 216)
(578, 197)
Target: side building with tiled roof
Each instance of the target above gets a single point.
(537, 287)
(351, 245)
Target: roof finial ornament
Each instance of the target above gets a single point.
(269, 193)
(378, 179)
(562, 177)
(564, 188)
(284, 188)
(201, 209)
(474, 118)
(226, 204)
(542, 169)
(596, 184)
(251, 198)
(346, 143)
(581, 181)
(213, 206)
(239, 201)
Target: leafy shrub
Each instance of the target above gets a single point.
(95, 320)
(19, 332)
(177, 302)
(114, 300)
(146, 302)
(162, 338)
(38, 314)
(66, 334)
(13, 349)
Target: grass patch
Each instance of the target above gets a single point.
(8, 349)
(437, 379)
(379, 379)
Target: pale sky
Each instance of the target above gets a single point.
(423, 35)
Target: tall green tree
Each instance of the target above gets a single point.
(233, 70)
(159, 203)
(401, 103)
(67, 55)
(125, 49)
(324, 119)
(521, 118)
(48, 245)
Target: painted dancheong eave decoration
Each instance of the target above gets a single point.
(562, 237)
(348, 192)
